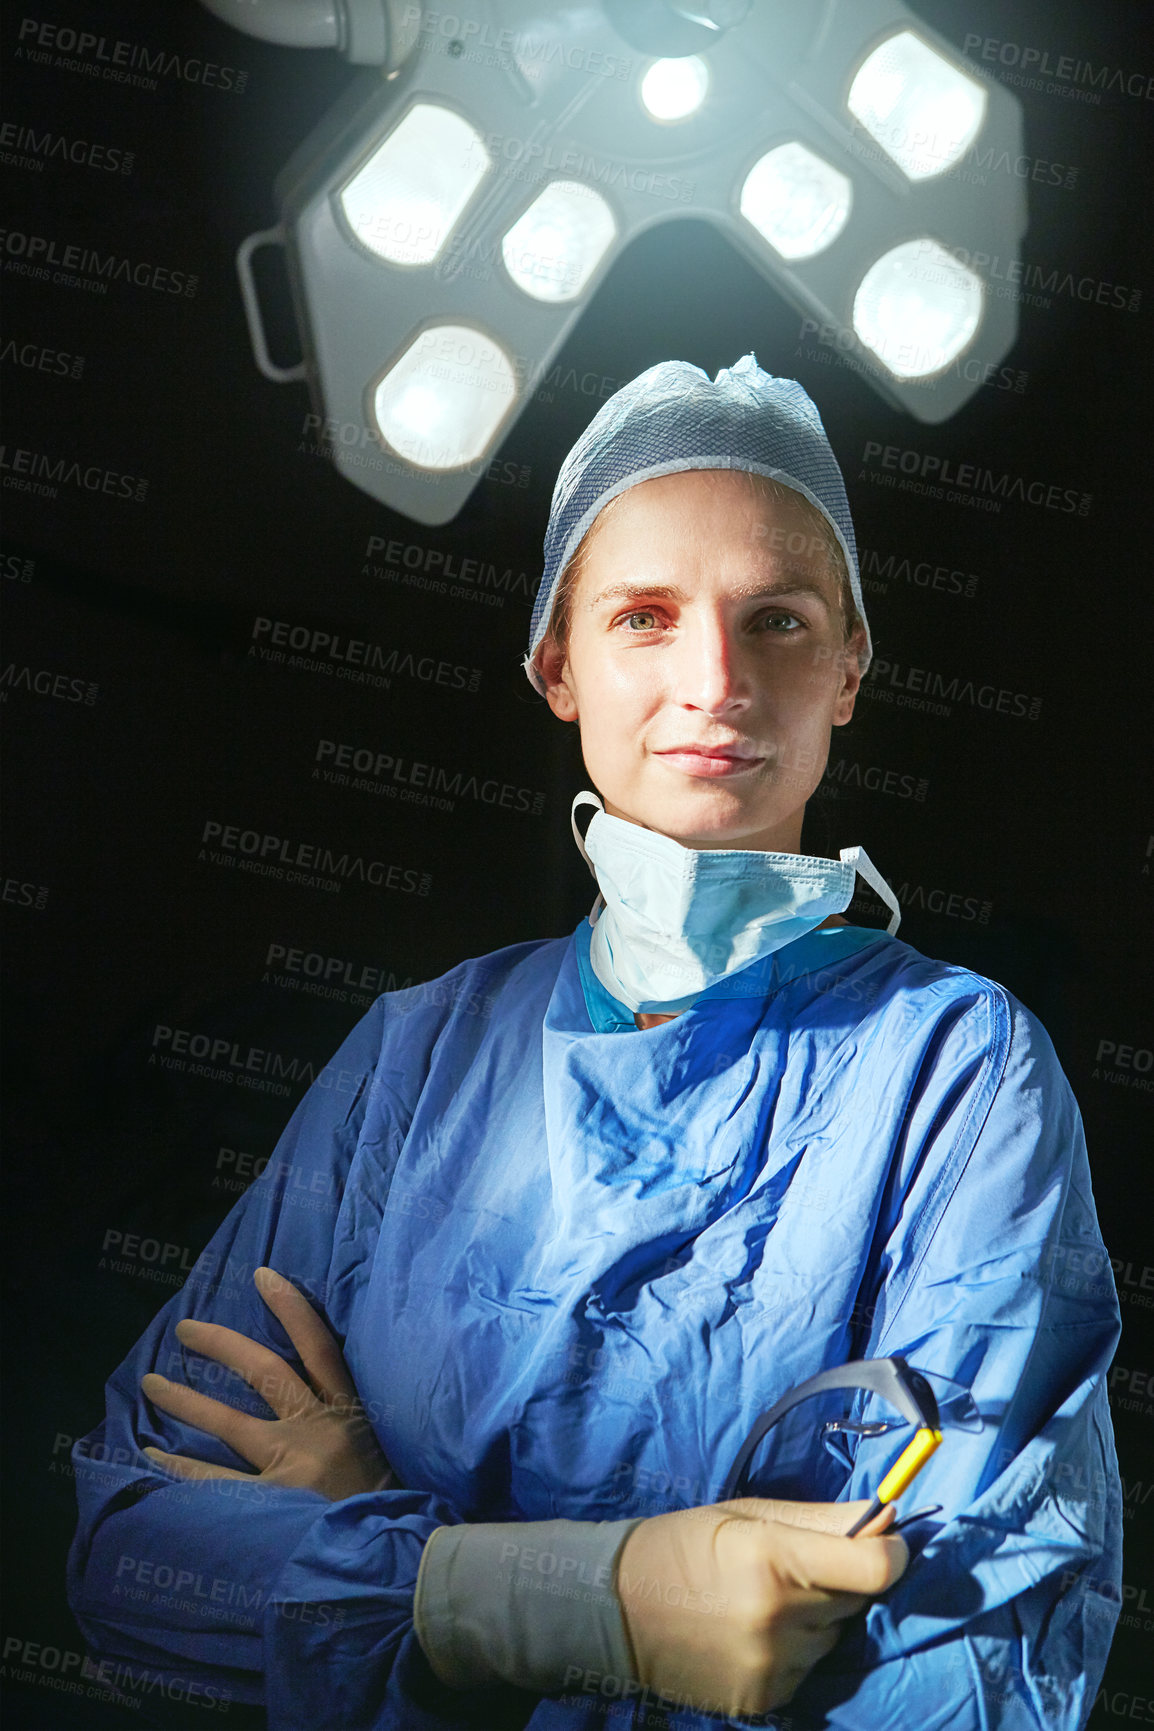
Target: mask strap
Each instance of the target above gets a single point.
(588, 797)
(861, 862)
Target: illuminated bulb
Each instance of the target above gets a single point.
(553, 249)
(403, 202)
(917, 308)
(439, 406)
(675, 89)
(923, 112)
(797, 201)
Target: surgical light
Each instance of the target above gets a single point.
(798, 201)
(917, 308)
(923, 112)
(675, 89)
(554, 248)
(449, 220)
(403, 202)
(440, 404)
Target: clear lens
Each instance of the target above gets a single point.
(403, 202)
(439, 406)
(922, 111)
(797, 201)
(675, 89)
(553, 249)
(917, 308)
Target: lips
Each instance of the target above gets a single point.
(735, 753)
(710, 760)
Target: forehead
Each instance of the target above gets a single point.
(724, 524)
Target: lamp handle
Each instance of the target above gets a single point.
(251, 302)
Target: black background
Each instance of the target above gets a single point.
(1035, 834)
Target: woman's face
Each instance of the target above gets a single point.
(706, 662)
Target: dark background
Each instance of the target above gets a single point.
(1021, 847)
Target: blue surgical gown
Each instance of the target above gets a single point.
(572, 1261)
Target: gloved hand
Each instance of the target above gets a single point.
(321, 1439)
(729, 1606)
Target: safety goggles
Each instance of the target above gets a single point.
(925, 1400)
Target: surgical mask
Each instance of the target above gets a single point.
(671, 921)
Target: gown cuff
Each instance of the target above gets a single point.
(531, 1603)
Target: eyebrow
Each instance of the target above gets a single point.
(635, 591)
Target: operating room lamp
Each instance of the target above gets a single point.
(450, 218)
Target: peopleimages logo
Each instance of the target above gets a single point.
(19, 892)
(1124, 1066)
(972, 164)
(839, 346)
(46, 682)
(876, 778)
(43, 474)
(106, 1680)
(40, 358)
(1020, 279)
(951, 904)
(310, 971)
(417, 566)
(381, 772)
(119, 61)
(878, 570)
(25, 147)
(315, 650)
(306, 863)
(1072, 76)
(17, 569)
(223, 1059)
(70, 266)
(464, 35)
(944, 478)
(533, 157)
(934, 693)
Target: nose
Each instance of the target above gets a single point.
(712, 673)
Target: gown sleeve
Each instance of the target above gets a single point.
(244, 1592)
(988, 1267)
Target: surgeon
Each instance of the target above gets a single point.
(436, 1432)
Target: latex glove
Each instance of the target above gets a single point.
(321, 1438)
(728, 1607)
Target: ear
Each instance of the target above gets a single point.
(553, 666)
(850, 668)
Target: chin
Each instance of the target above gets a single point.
(712, 821)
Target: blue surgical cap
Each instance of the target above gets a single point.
(673, 417)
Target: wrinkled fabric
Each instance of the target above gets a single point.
(572, 1261)
(673, 417)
